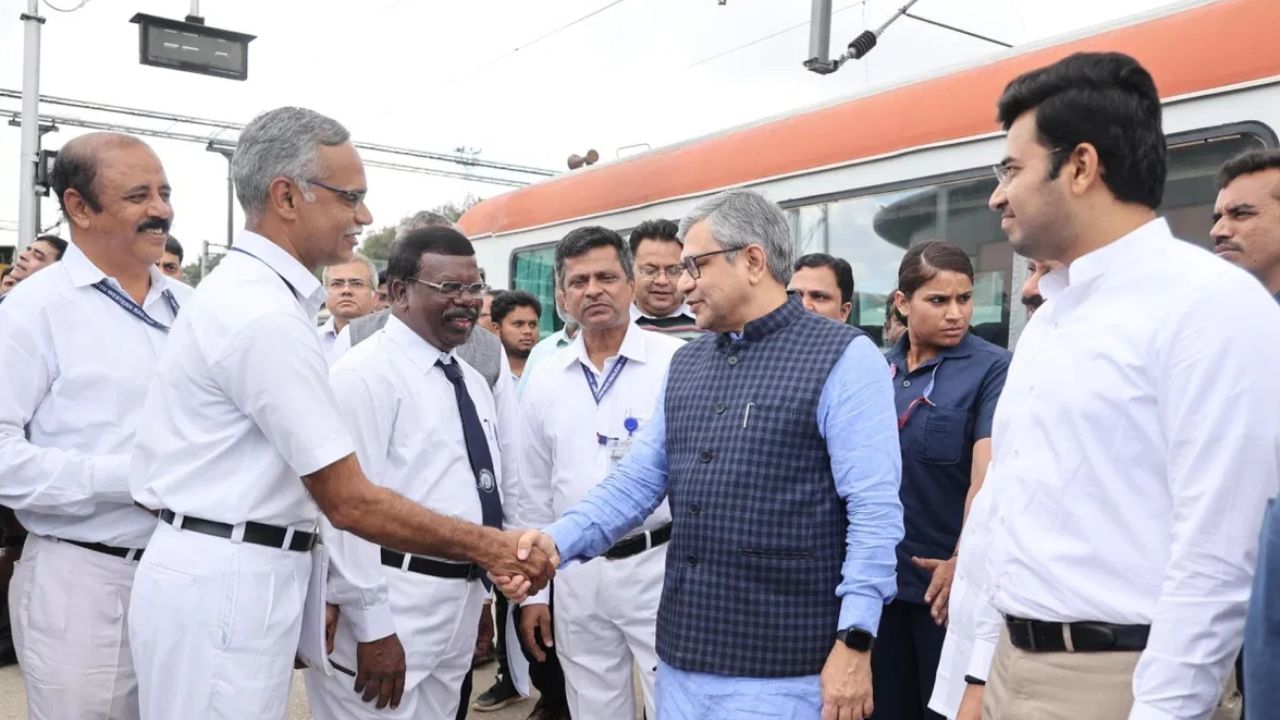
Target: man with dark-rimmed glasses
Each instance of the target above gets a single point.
(775, 446)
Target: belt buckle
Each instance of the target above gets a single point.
(1021, 630)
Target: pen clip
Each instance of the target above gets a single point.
(746, 415)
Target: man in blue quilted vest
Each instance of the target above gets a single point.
(775, 443)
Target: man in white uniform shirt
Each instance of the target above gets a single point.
(351, 289)
(1135, 444)
(244, 446)
(79, 344)
(580, 412)
(410, 436)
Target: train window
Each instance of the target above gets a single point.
(873, 231)
(533, 269)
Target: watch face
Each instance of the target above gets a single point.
(857, 639)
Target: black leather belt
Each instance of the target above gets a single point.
(1040, 636)
(427, 566)
(638, 543)
(257, 533)
(133, 554)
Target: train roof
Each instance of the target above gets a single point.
(1189, 48)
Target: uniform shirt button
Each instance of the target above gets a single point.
(693, 561)
(733, 359)
(694, 509)
(705, 456)
(906, 383)
(720, 408)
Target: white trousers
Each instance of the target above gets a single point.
(215, 627)
(606, 616)
(67, 606)
(435, 620)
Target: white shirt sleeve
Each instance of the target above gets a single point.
(1217, 410)
(508, 410)
(536, 508)
(276, 374)
(356, 580)
(45, 479)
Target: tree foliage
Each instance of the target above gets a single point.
(377, 244)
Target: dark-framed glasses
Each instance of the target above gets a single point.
(652, 271)
(351, 197)
(690, 264)
(455, 289)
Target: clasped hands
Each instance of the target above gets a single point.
(522, 562)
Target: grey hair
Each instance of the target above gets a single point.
(284, 142)
(739, 218)
(355, 257)
(424, 219)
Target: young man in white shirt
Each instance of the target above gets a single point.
(243, 447)
(1134, 447)
(394, 391)
(580, 413)
(80, 342)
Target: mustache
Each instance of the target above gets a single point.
(154, 224)
(1033, 301)
(461, 313)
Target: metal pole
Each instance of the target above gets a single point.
(231, 203)
(820, 32)
(30, 153)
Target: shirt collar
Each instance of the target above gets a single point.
(84, 273)
(421, 353)
(327, 328)
(286, 266)
(633, 347)
(765, 325)
(1126, 250)
(898, 354)
(637, 313)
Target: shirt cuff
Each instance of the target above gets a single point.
(542, 597)
(565, 535)
(980, 658)
(861, 612)
(1142, 711)
(371, 623)
(111, 478)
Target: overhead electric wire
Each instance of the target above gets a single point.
(770, 36)
(225, 125)
(562, 28)
(203, 140)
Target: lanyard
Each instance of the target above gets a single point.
(134, 309)
(287, 284)
(599, 391)
(922, 400)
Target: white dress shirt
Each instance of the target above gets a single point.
(1134, 450)
(403, 416)
(241, 407)
(77, 366)
(328, 335)
(561, 456)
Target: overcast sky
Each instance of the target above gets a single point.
(440, 75)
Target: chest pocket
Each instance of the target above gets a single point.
(940, 434)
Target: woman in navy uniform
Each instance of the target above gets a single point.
(946, 383)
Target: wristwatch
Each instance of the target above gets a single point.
(855, 638)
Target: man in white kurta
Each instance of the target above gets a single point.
(79, 343)
(579, 416)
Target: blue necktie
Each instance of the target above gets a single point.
(477, 448)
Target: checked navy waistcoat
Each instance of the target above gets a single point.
(758, 538)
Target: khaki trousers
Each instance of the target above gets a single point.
(1068, 686)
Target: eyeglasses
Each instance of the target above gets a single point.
(352, 198)
(455, 289)
(353, 283)
(1004, 173)
(652, 271)
(690, 264)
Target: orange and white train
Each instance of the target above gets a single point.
(865, 177)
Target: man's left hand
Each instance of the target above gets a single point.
(380, 668)
(939, 593)
(846, 684)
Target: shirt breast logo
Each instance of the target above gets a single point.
(486, 481)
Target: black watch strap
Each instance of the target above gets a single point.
(855, 638)
(971, 680)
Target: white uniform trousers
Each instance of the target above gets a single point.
(606, 616)
(215, 626)
(435, 620)
(67, 606)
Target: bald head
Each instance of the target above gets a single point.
(77, 164)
